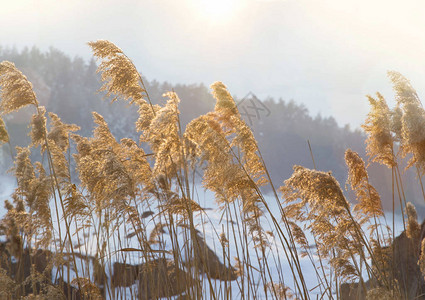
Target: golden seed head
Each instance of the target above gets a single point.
(369, 202)
(16, 90)
(412, 120)
(379, 144)
(59, 132)
(119, 75)
(413, 229)
(38, 127)
(224, 101)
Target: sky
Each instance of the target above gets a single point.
(326, 54)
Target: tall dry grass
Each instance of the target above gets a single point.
(132, 225)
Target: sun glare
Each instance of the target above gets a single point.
(217, 11)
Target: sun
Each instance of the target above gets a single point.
(218, 11)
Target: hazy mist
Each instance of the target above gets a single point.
(325, 54)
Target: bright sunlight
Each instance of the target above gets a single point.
(218, 11)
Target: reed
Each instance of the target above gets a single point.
(132, 225)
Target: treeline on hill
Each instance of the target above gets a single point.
(69, 88)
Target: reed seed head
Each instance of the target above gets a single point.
(16, 90)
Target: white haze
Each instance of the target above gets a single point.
(326, 54)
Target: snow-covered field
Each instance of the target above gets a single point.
(210, 230)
